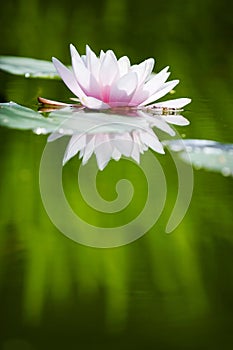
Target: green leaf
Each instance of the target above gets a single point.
(28, 67)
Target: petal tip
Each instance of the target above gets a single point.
(72, 48)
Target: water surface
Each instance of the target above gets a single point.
(162, 291)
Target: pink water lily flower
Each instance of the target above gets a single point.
(107, 82)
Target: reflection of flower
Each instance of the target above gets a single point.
(107, 82)
(111, 138)
(108, 146)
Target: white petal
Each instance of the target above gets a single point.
(82, 74)
(116, 155)
(108, 69)
(81, 153)
(123, 65)
(89, 149)
(68, 78)
(151, 140)
(123, 143)
(167, 87)
(102, 55)
(86, 80)
(76, 143)
(162, 125)
(75, 55)
(84, 59)
(136, 138)
(93, 63)
(135, 154)
(93, 103)
(124, 88)
(139, 96)
(176, 103)
(176, 120)
(103, 150)
(157, 121)
(157, 81)
(143, 70)
(150, 62)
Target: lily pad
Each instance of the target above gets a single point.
(15, 116)
(205, 154)
(28, 67)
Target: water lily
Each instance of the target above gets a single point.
(107, 82)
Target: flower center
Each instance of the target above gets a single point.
(106, 94)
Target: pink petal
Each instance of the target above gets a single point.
(83, 71)
(86, 80)
(144, 71)
(108, 69)
(139, 96)
(123, 89)
(68, 78)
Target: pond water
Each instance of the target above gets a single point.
(162, 290)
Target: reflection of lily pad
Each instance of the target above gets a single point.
(66, 121)
(205, 154)
(28, 67)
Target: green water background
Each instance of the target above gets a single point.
(162, 291)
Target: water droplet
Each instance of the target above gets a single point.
(40, 131)
(226, 171)
(27, 75)
(65, 131)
